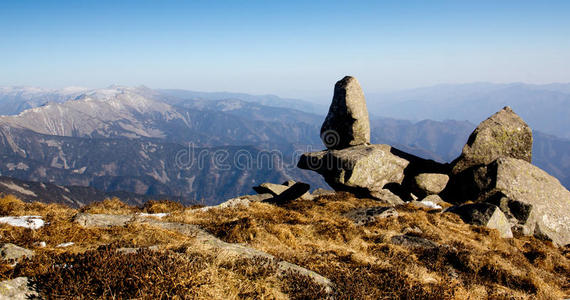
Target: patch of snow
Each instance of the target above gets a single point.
(19, 166)
(32, 222)
(65, 244)
(430, 204)
(80, 170)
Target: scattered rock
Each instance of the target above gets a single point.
(12, 253)
(534, 200)
(278, 189)
(484, 214)
(240, 201)
(322, 192)
(363, 216)
(347, 122)
(430, 183)
(386, 196)
(258, 197)
(101, 220)
(270, 188)
(17, 289)
(411, 241)
(295, 191)
(504, 134)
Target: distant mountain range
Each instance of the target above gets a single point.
(544, 107)
(193, 147)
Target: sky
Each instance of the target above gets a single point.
(288, 48)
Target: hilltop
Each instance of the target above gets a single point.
(417, 253)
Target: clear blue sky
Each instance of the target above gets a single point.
(289, 48)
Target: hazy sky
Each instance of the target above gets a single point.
(288, 48)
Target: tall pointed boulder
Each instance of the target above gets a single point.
(347, 123)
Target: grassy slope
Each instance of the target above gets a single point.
(470, 261)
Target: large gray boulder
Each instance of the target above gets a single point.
(484, 214)
(504, 134)
(347, 122)
(365, 168)
(536, 203)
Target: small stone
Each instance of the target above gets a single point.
(17, 289)
(484, 214)
(363, 216)
(322, 192)
(410, 241)
(12, 253)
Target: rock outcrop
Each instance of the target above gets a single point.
(351, 163)
(347, 122)
(504, 134)
(493, 170)
(536, 202)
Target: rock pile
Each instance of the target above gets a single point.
(493, 170)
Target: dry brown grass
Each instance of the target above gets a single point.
(162, 206)
(112, 206)
(468, 262)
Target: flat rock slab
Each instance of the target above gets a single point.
(359, 169)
